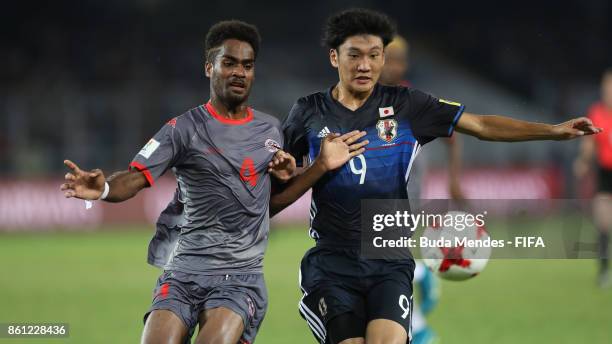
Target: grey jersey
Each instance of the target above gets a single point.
(223, 186)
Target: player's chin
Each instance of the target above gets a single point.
(363, 85)
(237, 95)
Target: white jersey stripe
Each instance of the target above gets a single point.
(415, 152)
(311, 323)
(311, 318)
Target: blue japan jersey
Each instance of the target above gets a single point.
(398, 122)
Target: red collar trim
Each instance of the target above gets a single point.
(226, 120)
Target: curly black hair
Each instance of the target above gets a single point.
(357, 21)
(230, 29)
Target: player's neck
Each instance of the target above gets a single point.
(238, 111)
(350, 100)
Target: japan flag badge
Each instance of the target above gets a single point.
(386, 111)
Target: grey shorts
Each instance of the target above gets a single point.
(187, 295)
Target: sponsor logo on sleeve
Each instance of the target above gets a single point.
(149, 148)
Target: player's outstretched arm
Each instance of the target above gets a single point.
(335, 151)
(90, 185)
(501, 128)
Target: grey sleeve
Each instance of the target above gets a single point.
(163, 151)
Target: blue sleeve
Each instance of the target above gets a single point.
(431, 117)
(294, 132)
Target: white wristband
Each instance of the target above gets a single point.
(105, 192)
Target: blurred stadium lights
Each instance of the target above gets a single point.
(93, 81)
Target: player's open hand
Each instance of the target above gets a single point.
(337, 149)
(574, 128)
(87, 185)
(282, 166)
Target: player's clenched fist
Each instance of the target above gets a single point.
(282, 166)
(87, 185)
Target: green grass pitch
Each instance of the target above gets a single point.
(100, 284)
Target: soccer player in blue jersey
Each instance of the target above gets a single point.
(347, 298)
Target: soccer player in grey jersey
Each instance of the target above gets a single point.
(222, 154)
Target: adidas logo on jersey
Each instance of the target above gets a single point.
(324, 132)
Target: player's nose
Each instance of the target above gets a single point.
(239, 71)
(363, 66)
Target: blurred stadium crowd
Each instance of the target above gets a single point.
(94, 80)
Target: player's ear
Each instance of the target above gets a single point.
(208, 68)
(333, 57)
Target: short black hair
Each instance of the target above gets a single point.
(357, 21)
(231, 29)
